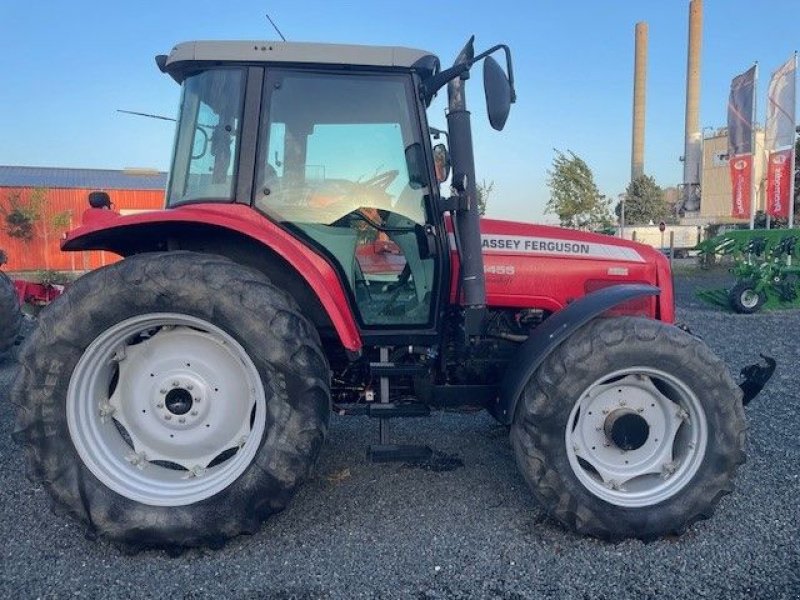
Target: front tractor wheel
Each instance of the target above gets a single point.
(172, 400)
(631, 428)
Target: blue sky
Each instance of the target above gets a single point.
(65, 67)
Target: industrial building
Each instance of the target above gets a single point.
(65, 192)
(715, 185)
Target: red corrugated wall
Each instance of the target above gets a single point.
(43, 251)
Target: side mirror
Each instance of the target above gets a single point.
(415, 161)
(200, 143)
(99, 200)
(497, 88)
(441, 162)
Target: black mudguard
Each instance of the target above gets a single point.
(755, 377)
(550, 334)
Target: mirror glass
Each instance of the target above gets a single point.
(498, 93)
(441, 162)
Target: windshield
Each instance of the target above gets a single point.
(206, 143)
(335, 144)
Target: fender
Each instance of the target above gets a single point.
(102, 229)
(550, 334)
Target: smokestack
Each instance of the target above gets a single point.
(639, 95)
(692, 154)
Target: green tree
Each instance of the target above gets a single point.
(644, 202)
(574, 196)
(484, 191)
(24, 218)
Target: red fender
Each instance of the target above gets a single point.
(102, 229)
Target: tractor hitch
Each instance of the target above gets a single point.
(755, 378)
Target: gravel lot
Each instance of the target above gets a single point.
(359, 530)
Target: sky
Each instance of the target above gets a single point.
(66, 67)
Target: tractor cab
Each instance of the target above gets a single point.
(339, 156)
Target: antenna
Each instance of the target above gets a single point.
(141, 114)
(275, 26)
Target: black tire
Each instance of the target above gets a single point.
(602, 347)
(10, 316)
(744, 299)
(282, 344)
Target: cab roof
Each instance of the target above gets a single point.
(186, 55)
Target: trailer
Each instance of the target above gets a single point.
(683, 239)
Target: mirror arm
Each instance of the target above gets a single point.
(430, 86)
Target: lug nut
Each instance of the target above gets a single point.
(160, 405)
(162, 391)
(182, 420)
(189, 386)
(167, 417)
(175, 384)
(194, 413)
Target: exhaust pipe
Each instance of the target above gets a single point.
(466, 221)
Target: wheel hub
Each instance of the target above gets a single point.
(178, 401)
(626, 429)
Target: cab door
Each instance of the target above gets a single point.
(341, 164)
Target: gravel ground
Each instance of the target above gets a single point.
(359, 530)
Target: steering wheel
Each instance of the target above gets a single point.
(382, 180)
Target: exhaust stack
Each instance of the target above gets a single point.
(639, 97)
(692, 154)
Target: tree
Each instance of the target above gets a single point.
(484, 191)
(24, 218)
(574, 196)
(644, 202)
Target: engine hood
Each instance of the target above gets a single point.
(539, 266)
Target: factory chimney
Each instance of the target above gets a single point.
(692, 154)
(639, 96)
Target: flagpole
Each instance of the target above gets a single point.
(753, 188)
(791, 184)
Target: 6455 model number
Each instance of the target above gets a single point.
(499, 269)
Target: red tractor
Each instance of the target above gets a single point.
(181, 395)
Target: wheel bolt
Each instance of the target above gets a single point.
(197, 399)
(182, 420)
(160, 405)
(162, 391)
(194, 413)
(175, 384)
(167, 417)
(189, 386)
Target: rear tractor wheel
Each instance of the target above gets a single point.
(172, 400)
(10, 316)
(631, 428)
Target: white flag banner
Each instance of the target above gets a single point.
(781, 107)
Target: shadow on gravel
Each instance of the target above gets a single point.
(439, 462)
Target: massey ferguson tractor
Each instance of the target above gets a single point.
(180, 396)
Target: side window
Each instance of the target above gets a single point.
(204, 165)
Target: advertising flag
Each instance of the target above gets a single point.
(740, 140)
(780, 139)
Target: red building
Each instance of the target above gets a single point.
(64, 198)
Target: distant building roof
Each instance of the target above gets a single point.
(90, 179)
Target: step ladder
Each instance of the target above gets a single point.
(384, 450)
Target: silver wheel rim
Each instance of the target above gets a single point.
(749, 298)
(620, 460)
(166, 409)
